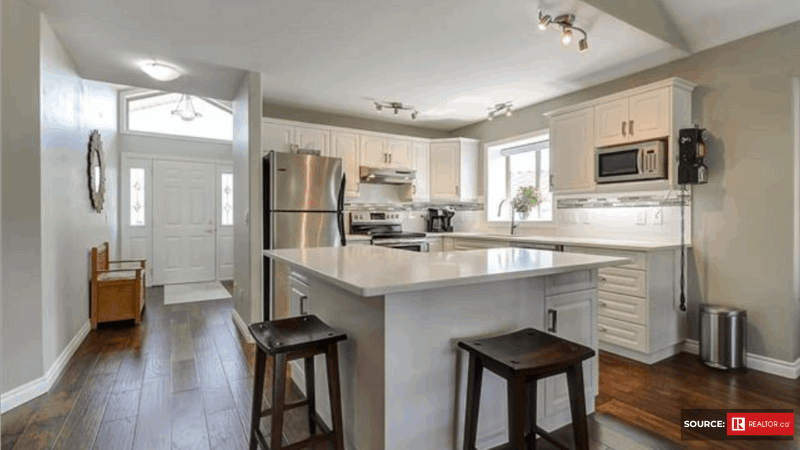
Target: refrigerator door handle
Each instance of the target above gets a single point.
(340, 210)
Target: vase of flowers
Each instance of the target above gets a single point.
(527, 198)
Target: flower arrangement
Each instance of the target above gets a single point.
(527, 198)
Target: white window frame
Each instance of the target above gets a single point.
(135, 94)
(489, 149)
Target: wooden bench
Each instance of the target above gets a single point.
(118, 293)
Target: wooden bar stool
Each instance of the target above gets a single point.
(523, 358)
(285, 340)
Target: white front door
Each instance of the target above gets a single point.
(137, 211)
(225, 223)
(183, 222)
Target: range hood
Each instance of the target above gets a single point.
(387, 176)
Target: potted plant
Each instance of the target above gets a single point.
(527, 198)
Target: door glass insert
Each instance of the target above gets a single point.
(227, 199)
(137, 197)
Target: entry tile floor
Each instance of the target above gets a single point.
(183, 380)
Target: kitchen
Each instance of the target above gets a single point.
(730, 240)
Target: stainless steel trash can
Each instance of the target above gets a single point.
(723, 337)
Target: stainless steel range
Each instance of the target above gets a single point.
(386, 229)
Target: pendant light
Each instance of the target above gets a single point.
(185, 109)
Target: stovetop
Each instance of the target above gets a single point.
(380, 225)
(397, 235)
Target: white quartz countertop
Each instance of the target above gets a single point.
(358, 237)
(619, 244)
(373, 270)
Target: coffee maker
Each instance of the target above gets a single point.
(440, 220)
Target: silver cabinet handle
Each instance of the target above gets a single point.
(623, 128)
(551, 180)
(630, 127)
(553, 315)
(303, 300)
(390, 158)
(414, 189)
(457, 190)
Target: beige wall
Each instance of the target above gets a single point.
(336, 120)
(742, 219)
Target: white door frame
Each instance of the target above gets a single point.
(134, 159)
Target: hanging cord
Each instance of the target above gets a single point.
(683, 247)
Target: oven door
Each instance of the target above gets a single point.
(414, 246)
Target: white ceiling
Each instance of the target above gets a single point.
(450, 59)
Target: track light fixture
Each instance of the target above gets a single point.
(500, 108)
(565, 21)
(396, 107)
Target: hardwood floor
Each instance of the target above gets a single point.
(183, 380)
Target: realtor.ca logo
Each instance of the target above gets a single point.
(723, 425)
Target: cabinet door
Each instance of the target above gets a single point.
(574, 315)
(421, 187)
(276, 137)
(435, 244)
(445, 170)
(399, 153)
(313, 139)
(611, 123)
(374, 152)
(572, 151)
(345, 146)
(648, 117)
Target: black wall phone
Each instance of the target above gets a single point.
(691, 151)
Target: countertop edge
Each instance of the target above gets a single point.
(435, 284)
(563, 240)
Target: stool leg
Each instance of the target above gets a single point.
(530, 425)
(517, 406)
(278, 400)
(311, 395)
(332, 357)
(474, 382)
(258, 391)
(577, 402)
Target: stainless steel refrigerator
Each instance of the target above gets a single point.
(303, 207)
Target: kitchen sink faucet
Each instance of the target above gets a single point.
(514, 225)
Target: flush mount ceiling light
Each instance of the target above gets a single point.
(185, 109)
(565, 22)
(159, 71)
(500, 108)
(396, 107)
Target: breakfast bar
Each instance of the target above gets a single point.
(403, 378)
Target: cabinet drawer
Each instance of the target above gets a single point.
(622, 281)
(622, 307)
(570, 282)
(624, 334)
(639, 259)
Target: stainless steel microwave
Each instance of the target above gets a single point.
(634, 162)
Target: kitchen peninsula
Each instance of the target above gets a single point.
(403, 378)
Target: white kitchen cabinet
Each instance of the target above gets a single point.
(454, 169)
(638, 310)
(420, 190)
(399, 151)
(448, 244)
(474, 244)
(345, 145)
(633, 118)
(313, 139)
(570, 316)
(435, 244)
(276, 137)
(374, 151)
(572, 151)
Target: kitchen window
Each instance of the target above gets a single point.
(179, 115)
(511, 164)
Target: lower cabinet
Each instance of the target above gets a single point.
(435, 244)
(571, 316)
(473, 244)
(298, 297)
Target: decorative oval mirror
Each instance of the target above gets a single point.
(97, 177)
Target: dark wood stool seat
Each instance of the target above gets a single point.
(522, 358)
(286, 340)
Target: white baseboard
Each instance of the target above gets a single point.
(242, 327)
(757, 362)
(647, 358)
(28, 391)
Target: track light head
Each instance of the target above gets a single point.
(544, 21)
(508, 112)
(379, 107)
(566, 36)
(491, 116)
(414, 115)
(583, 45)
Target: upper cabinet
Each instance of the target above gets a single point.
(313, 139)
(380, 151)
(655, 111)
(399, 153)
(420, 152)
(572, 152)
(635, 118)
(454, 169)
(345, 145)
(280, 137)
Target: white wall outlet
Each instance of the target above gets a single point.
(658, 217)
(641, 218)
